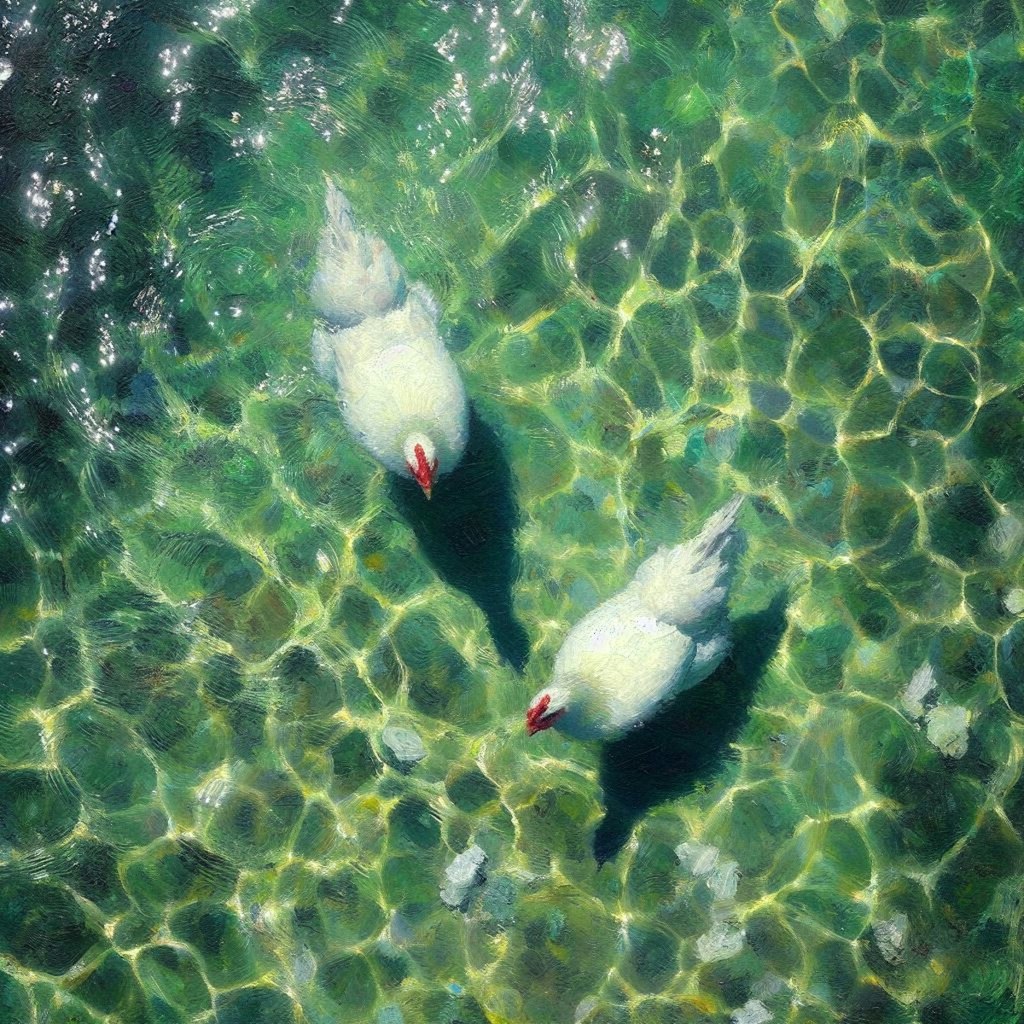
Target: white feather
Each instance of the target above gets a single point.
(686, 585)
(665, 632)
(357, 276)
(395, 378)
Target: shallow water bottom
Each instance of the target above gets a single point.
(683, 251)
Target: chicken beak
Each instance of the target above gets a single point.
(423, 472)
(541, 723)
(539, 718)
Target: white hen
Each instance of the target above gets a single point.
(399, 389)
(666, 631)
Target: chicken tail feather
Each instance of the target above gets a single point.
(687, 585)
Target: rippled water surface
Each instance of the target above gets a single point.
(683, 249)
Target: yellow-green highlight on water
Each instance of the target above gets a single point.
(683, 250)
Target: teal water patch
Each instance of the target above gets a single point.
(256, 698)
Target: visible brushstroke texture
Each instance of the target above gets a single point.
(400, 392)
(462, 876)
(404, 745)
(667, 631)
(677, 251)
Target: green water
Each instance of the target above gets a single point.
(683, 250)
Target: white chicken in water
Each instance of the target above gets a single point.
(666, 631)
(399, 389)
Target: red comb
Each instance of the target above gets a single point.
(424, 471)
(535, 714)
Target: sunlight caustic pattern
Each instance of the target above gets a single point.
(684, 249)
